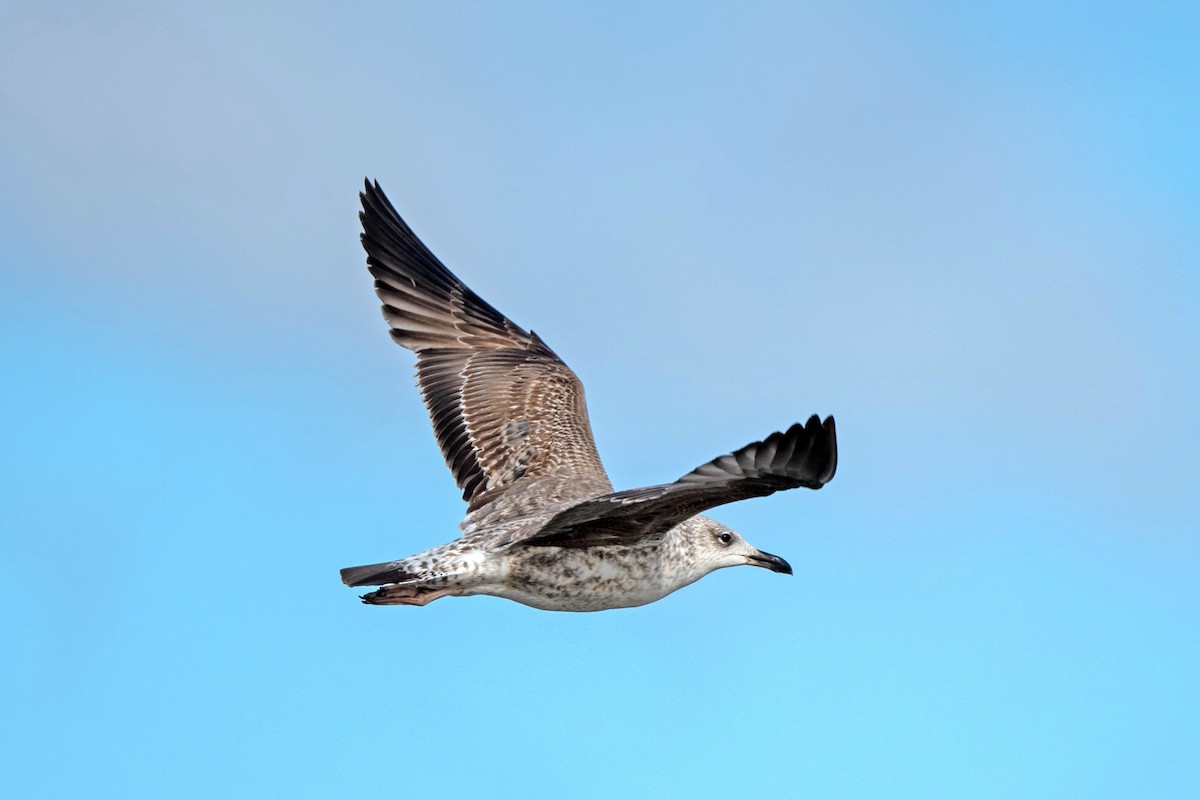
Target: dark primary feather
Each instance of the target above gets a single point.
(506, 411)
(804, 455)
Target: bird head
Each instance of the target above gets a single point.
(718, 546)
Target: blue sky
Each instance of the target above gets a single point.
(968, 233)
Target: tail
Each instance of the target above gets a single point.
(377, 574)
(401, 585)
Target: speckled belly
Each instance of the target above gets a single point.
(592, 579)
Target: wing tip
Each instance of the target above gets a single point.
(809, 447)
(827, 433)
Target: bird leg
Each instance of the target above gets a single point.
(404, 594)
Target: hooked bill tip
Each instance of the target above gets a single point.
(771, 562)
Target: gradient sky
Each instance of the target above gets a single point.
(970, 234)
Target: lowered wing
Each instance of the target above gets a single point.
(804, 455)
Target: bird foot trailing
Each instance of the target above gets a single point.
(404, 595)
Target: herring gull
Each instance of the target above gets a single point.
(544, 526)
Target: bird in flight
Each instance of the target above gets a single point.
(544, 526)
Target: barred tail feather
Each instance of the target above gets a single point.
(376, 574)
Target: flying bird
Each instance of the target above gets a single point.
(543, 525)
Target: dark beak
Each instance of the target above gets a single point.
(773, 563)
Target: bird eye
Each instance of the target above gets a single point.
(726, 538)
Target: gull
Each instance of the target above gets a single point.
(543, 525)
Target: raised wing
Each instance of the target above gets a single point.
(507, 412)
(804, 455)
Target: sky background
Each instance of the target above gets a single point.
(969, 233)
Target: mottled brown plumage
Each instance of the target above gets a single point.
(544, 526)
